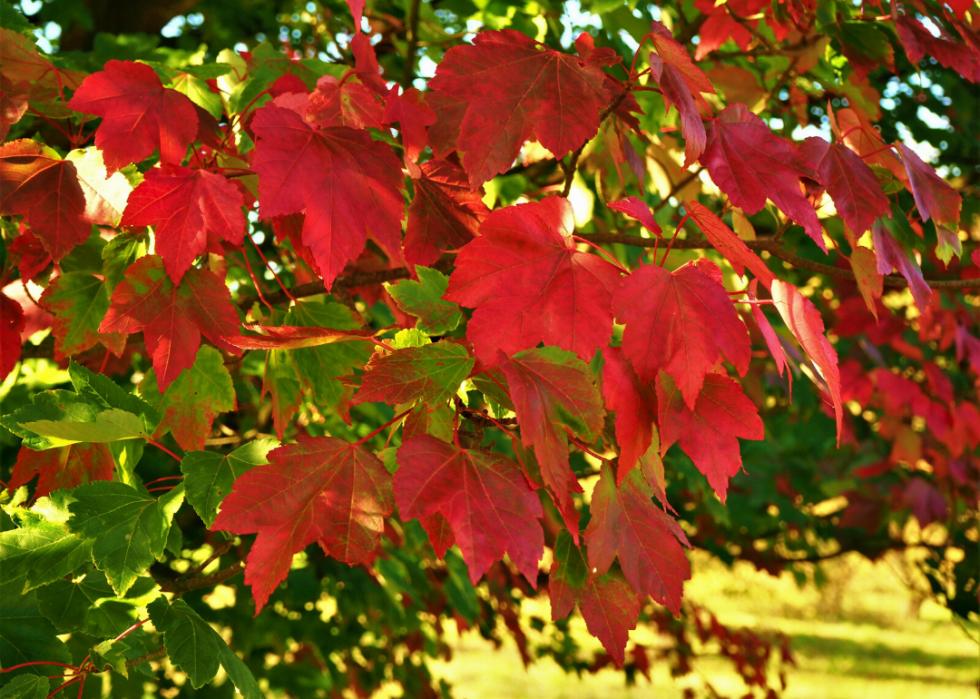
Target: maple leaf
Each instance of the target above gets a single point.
(21, 62)
(681, 322)
(186, 207)
(552, 389)
(627, 524)
(728, 244)
(682, 83)
(636, 208)
(635, 405)
(707, 431)
(172, 318)
(869, 279)
(192, 399)
(79, 302)
(444, 213)
(431, 373)
(919, 43)
(348, 103)
(892, 254)
(62, 468)
(720, 26)
(852, 184)
(348, 184)
(423, 299)
(518, 90)
(138, 114)
(13, 104)
(413, 115)
(485, 498)
(209, 476)
(804, 321)
(608, 604)
(860, 135)
(37, 183)
(770, 336)
(935, 200)
(750, 164)
(366, 64)
(295, 337)
(320, 489)
(11, 323)
(443, 135)
(28, 252)
(529, 284)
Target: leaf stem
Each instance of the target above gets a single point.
(393, 420)
(162, 448)
(36, 662)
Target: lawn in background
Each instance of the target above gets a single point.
(863, 635)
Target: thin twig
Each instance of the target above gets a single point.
(573, 159)
(413, 42)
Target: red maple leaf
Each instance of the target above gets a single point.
(138, 115)
(11, 323)
(707, 431)
(720, 26)
(518, 90)
(852, 184)
(172, 318)
(348, 103)
(627, 524)
(893, 255)
(13, 104)
(681, 322)
(366, 63)
(529, 284)
(485, 498)
(36, 183)
(444, 214)
(750, 164)
(62, 468)
(859, 134)
(320, 489)
(607, 602)
(186, 206)
(28, 253)
(413, 115)
(552, 389)
(804, 321)
(682, 83)
(444, 133)
(349, 185)
(728, 244)
(636, 208)
(934, 197)
(919, 43)
(635, 405)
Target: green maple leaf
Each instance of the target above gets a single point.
(423, 299)
(128, 529)
(208, 475)
(39, 553)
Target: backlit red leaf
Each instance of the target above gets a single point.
(320, 489)
(485, 498)
(919, 43)
(186, 206)
(529, 284)
(518, 90)
(636, 208)
(172, 318)
(750, 164)
(707, 432)
(626, 524)
(893, 255)
(681, 322)
(635, 405)
(349, 186)
(410, 111)
(934, 198)
(138, 114)
(349, 104)
(444, 214)
(728, 244)
(850, 182)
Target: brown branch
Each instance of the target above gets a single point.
(152, 655)
(179, 587)
(413, 42)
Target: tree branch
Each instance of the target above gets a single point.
(573, 160)
(413, 42)
(179, 587)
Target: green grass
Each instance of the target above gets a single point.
(862, 636)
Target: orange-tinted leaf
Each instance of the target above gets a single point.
(681, 322)
(518, 90)
(138, 114)
(869, 279)
(444, 213)
(172, 318)
(284, 337)
(186, 206)
(750, 164)
(63, 468)
(320, 489)
(707, 432)
(529, 284)
(13, 104)
(627, 524)
(348, 184)
(20, 61)
(485, 498)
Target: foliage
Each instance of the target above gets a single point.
(482, 314)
